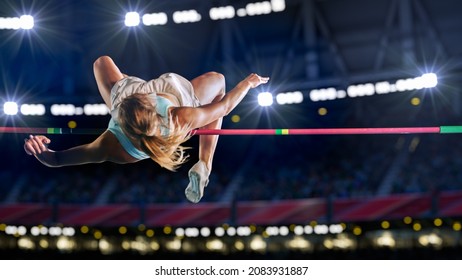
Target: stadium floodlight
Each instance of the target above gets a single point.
(33, 109)
(205, 232)
(321, 229)
(361, 90)
(308, 229)
(186, 16)
(251, 9)
(258, 8)
(265, 99)
(335, 228)
(9, 23)
(231, 231)
(35, 231)
(68, 231)
(95, 109)
(132, 19)
(219, 231)
(10, 108)
(179, 232)
(192, 232)
(226, 12)
(26, 22)
(243, 231)
(278, 5)
(429, 80)
(283, 231)
(62, 110)
(295, 97)
(155, 19)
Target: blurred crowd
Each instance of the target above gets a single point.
(433, 166)
(272, 169)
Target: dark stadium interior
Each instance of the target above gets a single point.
(393, 196)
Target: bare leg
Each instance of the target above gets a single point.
(209, 87)
(106, 75)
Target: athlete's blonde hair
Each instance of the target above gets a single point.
(141, 123)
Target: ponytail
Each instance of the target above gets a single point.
(140, 121)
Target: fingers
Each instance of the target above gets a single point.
(256, 80)
(264, 80)
(32, 146)
(36, 144)
(28, 148)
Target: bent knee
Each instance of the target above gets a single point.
(215, 76)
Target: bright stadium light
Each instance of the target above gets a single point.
(361, 90)
(231, 231)
(95, 109)
(278, 5)
(68, 231)
(155, 19)
(225, 12)
(62, 110)
(383, 87)
(22, 230)
(35, 231)
(429, 80)
(295, 97)
(219, 231)
(33, 109)
(243, 231)
(251, 9)
(10, 108)
(308, 229)
(259, 8)
(186, 16)
(265, 99)
(180, 232)
(205, 232)
(283, 230)
(192, 232)
(335, 229)
(298, 230)
(132, 19)
(26, 22)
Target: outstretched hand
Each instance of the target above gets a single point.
(35, 145)
(255, 80)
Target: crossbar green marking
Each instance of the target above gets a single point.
(450, 129)
(53, 130)
(281, 131)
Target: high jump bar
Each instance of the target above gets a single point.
(280, 131)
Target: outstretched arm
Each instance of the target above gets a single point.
(203, 115)
(104, 148)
